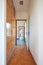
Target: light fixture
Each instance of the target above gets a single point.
(21, 2)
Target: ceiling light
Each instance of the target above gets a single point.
(21, 2)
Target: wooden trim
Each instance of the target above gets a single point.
(21, 19)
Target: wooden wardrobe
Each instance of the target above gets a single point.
(10, 18)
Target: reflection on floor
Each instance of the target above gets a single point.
(21, 56)
(20, 42)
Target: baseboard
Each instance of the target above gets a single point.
(32, 56)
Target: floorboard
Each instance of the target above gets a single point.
(21, 56)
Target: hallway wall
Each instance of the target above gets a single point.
(40, 22)
(2, 32)
(33, 45)
(36, 30)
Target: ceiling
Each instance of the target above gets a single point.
(21, 8)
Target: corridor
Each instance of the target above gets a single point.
(32, 12)
(21, 56)
(21, 30)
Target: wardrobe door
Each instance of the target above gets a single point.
(8, 11)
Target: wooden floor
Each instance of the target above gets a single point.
(21, 57)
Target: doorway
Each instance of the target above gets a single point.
(21, 32)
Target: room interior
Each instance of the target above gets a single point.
(16, 12)
(35, 36)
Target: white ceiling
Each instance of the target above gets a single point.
(21, 8)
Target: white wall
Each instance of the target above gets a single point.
(40, 32)
(2, 32)
(34, 29)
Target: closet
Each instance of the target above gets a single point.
(11, 29)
